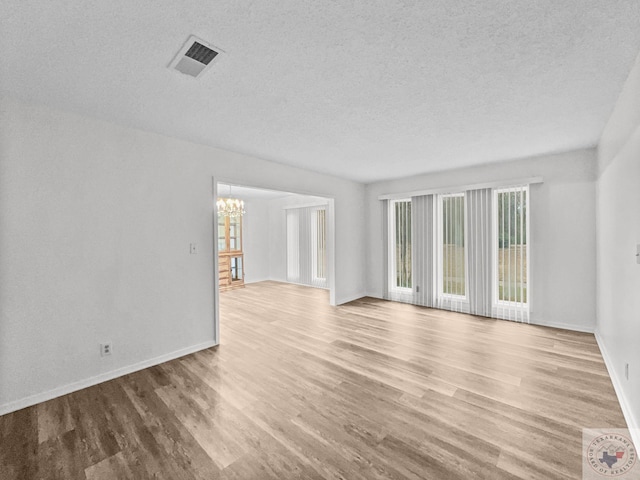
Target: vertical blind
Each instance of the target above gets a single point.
(320, 238)
(306, 246)
(465, 252)
(422, 218)
(480, 251)
(293, 246)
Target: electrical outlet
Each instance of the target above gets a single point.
(626, 371)
(105, 349)
(193, 250)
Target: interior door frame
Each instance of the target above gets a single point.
(216, 272)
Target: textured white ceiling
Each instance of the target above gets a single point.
(365, 90)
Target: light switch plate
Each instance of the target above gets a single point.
(192, 249)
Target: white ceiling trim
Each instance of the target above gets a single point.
(306, 205)
(462, 188)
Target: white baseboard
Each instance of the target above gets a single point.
(350, 298)
(302, 284)
(563, 326)
(566, 326)
(256, 281)
(632, 423)
(103, 377)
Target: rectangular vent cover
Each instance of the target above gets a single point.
(200, 53)
(195, 57)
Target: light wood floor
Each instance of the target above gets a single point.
(299, 389)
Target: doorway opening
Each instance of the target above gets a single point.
(271, 239)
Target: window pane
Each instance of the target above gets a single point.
(235, 226)
(321, 244)
(236, 268)
(453, 254)
(222, 234)
(512, 245)
(403, 244)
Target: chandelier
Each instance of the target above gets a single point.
(230, 207)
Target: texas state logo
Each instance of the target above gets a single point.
(609, 453)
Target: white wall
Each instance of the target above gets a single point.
(618, 220)
(255, 240)
(95, 225)
(562, 223)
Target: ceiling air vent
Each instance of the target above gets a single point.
(195, 57)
